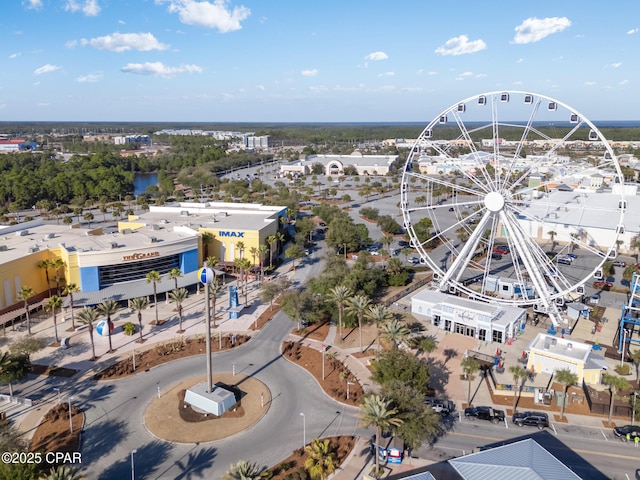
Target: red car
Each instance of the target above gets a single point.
(501, 249)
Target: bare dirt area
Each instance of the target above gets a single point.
(164, 352)
(54, 435)
(335, 373)
(293, 466)
(351, 339)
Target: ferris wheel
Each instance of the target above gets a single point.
(515, 198)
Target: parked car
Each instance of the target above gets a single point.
(564, 260)
(531, 419)
(484, 413)
(414, 260)
(619, 263)
(633, 430)
(443, 407)
(594, 299)
(496, 256)
(503, 249)
(572, 255)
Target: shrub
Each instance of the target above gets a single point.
(129, 328)
(624, 369)
(370, 213)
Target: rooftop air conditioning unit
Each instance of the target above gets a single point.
(34, 249)
(114, 245)
(155, 227)
(184, 213)
(153, 239)
(3, 248)
(22, 233)
(126, 231)
(49, 235)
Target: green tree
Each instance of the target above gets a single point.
(340, 294)
(108, 308)
(207, 238)
(566, 378)
(45, 265)
(14, 368)
(154, 278)
(25, 294)
(54, 303)
(400, 365)
(272, 241)
(616, 385)
(295, 251)
(635, 358)
(179, 296)
(69, 289)
(375, 411)
(56, 265)
(394, 332)
(242, 470)
(139, 304)
(61, 472)
(469, 367)
(519, 375)
(174, 274)
(428, 345)
(358, 306)
(88, 316)
(321, 461)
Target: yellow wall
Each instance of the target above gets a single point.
(251, 238)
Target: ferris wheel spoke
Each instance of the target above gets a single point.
(489, 257)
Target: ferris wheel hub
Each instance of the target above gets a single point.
(494, 201)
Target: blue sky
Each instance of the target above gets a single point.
(301, 61)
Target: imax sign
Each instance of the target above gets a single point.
(231, 234)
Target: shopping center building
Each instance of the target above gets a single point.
(114, 264)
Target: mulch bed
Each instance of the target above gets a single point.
(164, 352)
(37, 369)
(52, 435)
(188, 414)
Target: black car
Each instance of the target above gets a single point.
(484, 413)
(531, 419)
(633, 430)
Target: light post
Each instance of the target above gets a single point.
(624, 340)
(206, 276)
(58, 391)
(133, 468)
(304, 429)
(70, 417)
(633, 413)
(348, 383)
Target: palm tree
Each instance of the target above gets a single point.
(254, 253)
(635, 358)
(616, 384)
(154, 277)
(394, 332)
(207, 238)
(174, 274)
(25, 294)
(340, 294)
(179, 296)
(54, 303)
(428, 345)
(320, 462)
(61, 472)
(567, 378)
(242, 470)
(552, 234)
(376, 412)
(139, 304)
(108, 308)
(358, 306)
(87, 316)
(70, 289)
(469, 366)
(212, 261)
(262, 255)
(280, 238)
(271, 240)
(56, 265)
(89, 218)
(519, 374)
(214, 289)
(379, 315)
(46, 264)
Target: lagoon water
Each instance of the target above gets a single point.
(142, 180)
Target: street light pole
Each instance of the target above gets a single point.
(304, 429)
(624, 340)
(633, 413)
(70, 417)
(58, 390)
(133, 469)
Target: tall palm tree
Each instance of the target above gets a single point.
(428, 345)
(567, 378)
(254, 253)
(394, 332)
(519, 374)
(139, 304)
(214, 289)
(242, 470)
(207, 238)
(340, 294)
(239, 262)
(87, 316)
(45, 265)
(174, 274)
(635, 358)
(56, 265)
(469, 366)
(108, 308)
(70, 289)
(212, 261)
(54, 303)
(25, 294)
(375, 411)
(262, 255)
(271, 240)
(616, 384)
(179, 296)
(378, 314)
(358, 306)
(280, 238)
(321, 461)
(154, 277)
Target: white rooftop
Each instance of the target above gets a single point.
(561, 347)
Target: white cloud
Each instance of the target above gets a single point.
(375, 56)
(121, 22)
(260, 87)
(309, 72)
(158, 69)
(535, 29)
(90, 78)
(387, 74)
(481, 75)
(48, 68)
(216, 14)
(461, 46)
(623, 82)
(15, 55)
(632, 31)
(90, 8)
(590, 83)
(33, 4)
(432, 73)
(520, 60)
(122, 42)
(616, 65)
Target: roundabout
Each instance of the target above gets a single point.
(169, 418)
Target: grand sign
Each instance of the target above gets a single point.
(222, 233)
(140, 256)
